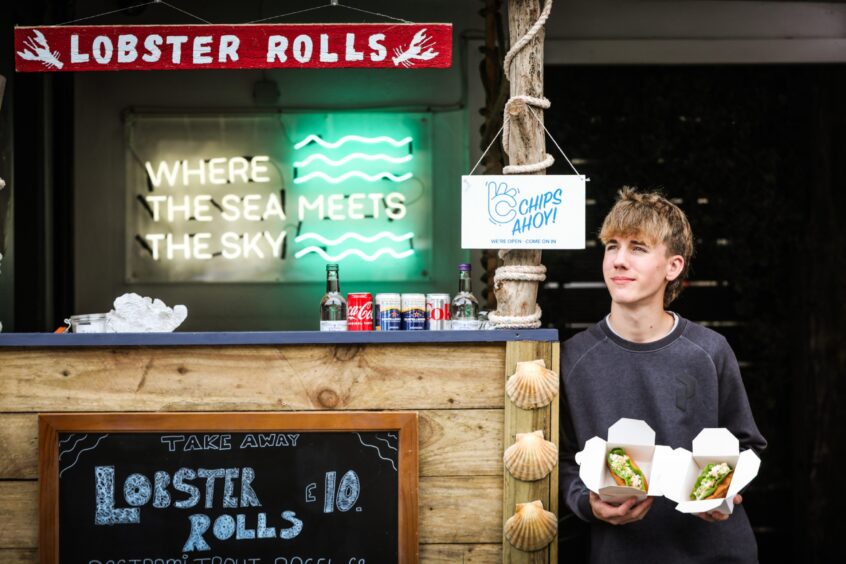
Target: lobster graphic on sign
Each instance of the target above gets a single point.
(420, 49)
(37, 49)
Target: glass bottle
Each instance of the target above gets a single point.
(333, 306)
(464, 308)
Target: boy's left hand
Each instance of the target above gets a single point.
(715, 516)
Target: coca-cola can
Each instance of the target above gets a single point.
(413, 312)
(437, 312)
(359, 311)
(387, 312)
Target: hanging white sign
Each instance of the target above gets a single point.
(523, 212)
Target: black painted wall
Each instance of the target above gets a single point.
(752, 154)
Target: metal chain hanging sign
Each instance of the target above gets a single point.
(183, 47)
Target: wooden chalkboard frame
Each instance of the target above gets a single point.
(51, 424)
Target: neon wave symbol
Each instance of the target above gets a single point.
(351, 157)
(351, 235)
(357, 252)
(352, 138)
(352, 173)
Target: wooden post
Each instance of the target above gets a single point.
(526, 143)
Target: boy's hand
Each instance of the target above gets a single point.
(629, 512)
(715, 516)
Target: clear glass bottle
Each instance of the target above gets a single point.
(464, 308)
(333, 306)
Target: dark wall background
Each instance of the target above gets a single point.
(754, 155)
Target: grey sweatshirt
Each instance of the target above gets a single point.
(679, 385)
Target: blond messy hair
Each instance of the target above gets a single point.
(653, 218)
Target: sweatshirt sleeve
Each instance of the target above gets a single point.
(735, 413)
(573, 492)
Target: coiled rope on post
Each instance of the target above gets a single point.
(522, 273)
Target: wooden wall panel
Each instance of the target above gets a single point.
(19, 445)
(18, 514)
(458, 391)
(460, 553)
(461, 442)
(462, 509)
(20, 556)
(252, 378)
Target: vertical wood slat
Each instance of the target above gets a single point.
(523, 421)
(553, 436)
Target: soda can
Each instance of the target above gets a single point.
(359, 311)
(387, 312)
(437, 312)
(413, 312)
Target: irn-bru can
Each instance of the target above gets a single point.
(437, 312)
(387, 312)
(359, 311)
(413, 312)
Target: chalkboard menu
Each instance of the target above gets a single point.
(229, 488)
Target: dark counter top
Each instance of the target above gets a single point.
(270, 338)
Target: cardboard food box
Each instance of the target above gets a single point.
(638, 440)
(709, 446)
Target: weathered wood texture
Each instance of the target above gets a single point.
(458, 553)
(526, 143)
(251, 378)
(19, 446)
(18, 514)
(24, 556)
(518, 420)
(458, 391)
(462, 509)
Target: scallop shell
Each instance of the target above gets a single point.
(532, 385)
(531, 457)
(531, 527)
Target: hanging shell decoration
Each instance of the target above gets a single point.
(531, 457)
(531, 527)
(532, 385)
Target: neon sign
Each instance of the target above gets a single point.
(352, 139)
(278, 200)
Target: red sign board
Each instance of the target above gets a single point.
(177, 47)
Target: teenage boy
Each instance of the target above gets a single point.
(644, 362)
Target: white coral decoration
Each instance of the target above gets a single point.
(136, 314)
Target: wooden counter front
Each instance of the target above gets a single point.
(455, 380)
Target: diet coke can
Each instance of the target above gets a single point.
(387, 314)
(437, 312)
(413, 312)
(359, 311)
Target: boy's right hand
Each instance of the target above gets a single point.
(628, 512)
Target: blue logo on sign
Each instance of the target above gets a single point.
(502, 202)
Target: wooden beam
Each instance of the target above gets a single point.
(252, 378)
(523, 421)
